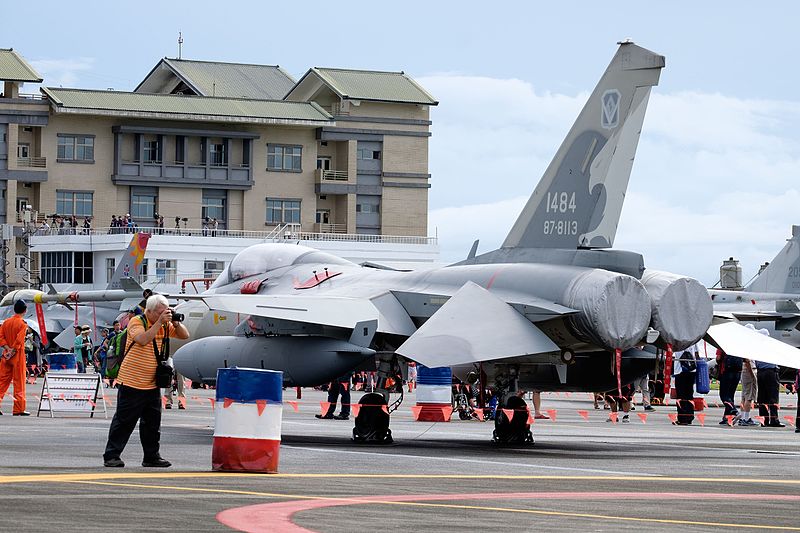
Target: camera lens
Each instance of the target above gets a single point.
(178, 317)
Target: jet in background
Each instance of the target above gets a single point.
(769, 301)
(555, 308)
(62, 310)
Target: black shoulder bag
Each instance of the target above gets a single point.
(164, 372)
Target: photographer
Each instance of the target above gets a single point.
(139, 398)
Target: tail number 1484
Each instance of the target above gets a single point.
(560, 202)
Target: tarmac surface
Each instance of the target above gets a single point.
(583, 473)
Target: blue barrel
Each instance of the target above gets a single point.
(434, 394)
(702, 379)
(63, 362)
(247, 420)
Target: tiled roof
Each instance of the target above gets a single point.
(374, 85)
(232, 80)
(14, 68)
(93, 102)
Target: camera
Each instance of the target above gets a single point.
(177, 317)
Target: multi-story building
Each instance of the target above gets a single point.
(340, 156)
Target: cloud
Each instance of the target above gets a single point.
(715, 176)
(63, 72)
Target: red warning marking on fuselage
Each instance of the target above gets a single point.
(316, 279)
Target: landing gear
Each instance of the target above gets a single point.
(372, 422)
(514, 431)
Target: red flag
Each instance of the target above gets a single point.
(760, 419)
(182, 401)
(552, 413)
(447, 412)
(613, 417)
(729, 418)
(42, 327)
(226, 402)
(673, 417)
(584, 415)
(91, 403)
(415, 410)
(324, 406)
(789, 420)
(212, 401)
(385, 409)
(261, 405)
(355, 408)
(294, 405)
(530, 419)
(643, 417)
(668, 368)
(163, 402)
(509, 414)
(702, 418)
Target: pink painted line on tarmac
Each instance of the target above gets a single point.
(277, 517)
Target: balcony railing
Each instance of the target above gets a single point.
(331, 175)
(32, 162)
(288, 232)
(331, 228)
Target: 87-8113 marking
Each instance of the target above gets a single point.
(560, 227)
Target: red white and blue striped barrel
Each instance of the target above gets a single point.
(247, 420)
(434, 393)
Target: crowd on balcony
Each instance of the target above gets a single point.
(65, 225)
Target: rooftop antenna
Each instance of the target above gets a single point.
(180, 44)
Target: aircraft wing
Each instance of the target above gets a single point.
(475, 325)
(326, 310)
(738, 340)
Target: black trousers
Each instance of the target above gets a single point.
(728, 381)
(684, 387)
(334, 390)
(768, 395)
(135, 405)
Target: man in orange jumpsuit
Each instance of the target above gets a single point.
(12, 361)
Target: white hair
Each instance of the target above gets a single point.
(156, 300)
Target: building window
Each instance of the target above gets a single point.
(324, 163)
(151, 152)
(212, 269)
(167, 271)
(78, 203)
(75, 148)
(214, 204)
(83, 267)
(368, 208)
(366, 153)
(281, 157)
(56, 267)
(283, 211)
(23, 151)
(111, 266)
(217, 156)
(143, 203)
(67, 267)
(142, 271)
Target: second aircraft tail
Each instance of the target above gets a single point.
(782, 275)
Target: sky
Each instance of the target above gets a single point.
(718, 165)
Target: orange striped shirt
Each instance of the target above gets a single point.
(138, 369)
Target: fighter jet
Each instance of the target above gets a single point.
(555, 308)
(64, 309)
(769, 301)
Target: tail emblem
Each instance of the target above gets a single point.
(609, 116)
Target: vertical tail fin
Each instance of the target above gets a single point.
(130, 265)
(579, 199)
(782, 275)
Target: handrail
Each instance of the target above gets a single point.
(281, 233)
(32, 162)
